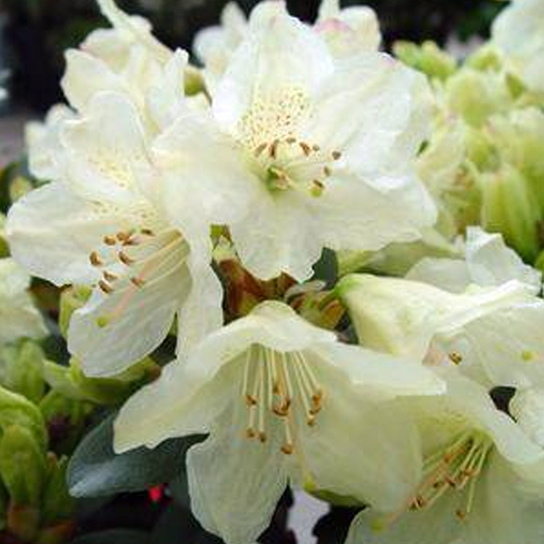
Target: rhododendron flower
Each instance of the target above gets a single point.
(492, 334)
(318, 152)
(99, 222)
(283, 402)
(481, 479)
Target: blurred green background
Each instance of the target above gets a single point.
(35, 32)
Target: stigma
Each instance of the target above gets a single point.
(279, 386)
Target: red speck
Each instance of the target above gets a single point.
(156, 493)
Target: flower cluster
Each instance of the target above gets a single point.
(200, 204)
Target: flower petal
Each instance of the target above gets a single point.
(235, 483)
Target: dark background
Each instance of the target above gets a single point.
(37, 31)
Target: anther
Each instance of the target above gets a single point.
(336, 155)
(316, 148)
(455, 358)
(262, 437)
(108, 276)
(287, 449)
(110, 240)
(260, 149)
(291, 140)
(147, 232)
(251, 400)
(306, 149)
(274, 149)
(461, 514)
(95, 259)
(106, 288)
(250, 433)
(327, 171)
(125, 259)
(138, 282)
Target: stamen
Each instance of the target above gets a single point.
(306, 149)
(108, 276)
(110, 240)
(106, 288)
(125, 259)
(336, 155)
(258, 151)
(95, 259)
(455, 357)
(138, 282)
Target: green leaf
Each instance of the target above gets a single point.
(114, 536)
(326, 269)
(95, 470)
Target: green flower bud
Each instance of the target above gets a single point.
(57, 504)
(16, 410)
(71, 299)
(22, 466)
(21, 369)
(509, 206)
(476, 95)
(427, 58)
(72, 382)
(485, 58)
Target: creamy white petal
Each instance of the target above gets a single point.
(281, 56)
(42, 141)
(52, 233)
(402, 316)
(181, 403)
(113, 331)
(235, 483)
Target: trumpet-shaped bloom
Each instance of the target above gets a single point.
(283, 402)
(487, 262)
(519, 32)
(18, 315)
(481, 481)
(491, 333)
(99, 223)
(319, 150)
(346, 31)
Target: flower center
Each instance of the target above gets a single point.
(136, 259)
(454, 468)
(279, 385)
(268, 132)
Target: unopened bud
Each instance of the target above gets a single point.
(509, 206)
(427, 58)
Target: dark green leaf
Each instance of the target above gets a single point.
(95, 470)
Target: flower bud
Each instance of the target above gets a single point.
(509, 206)
(72, 382)
(16, 410)
(57, 505)
(427, 58)
(22, 466)
(477, 95)
(21, 369)
(71, 299)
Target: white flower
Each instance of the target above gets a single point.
(493, 334)
(283, 402)
(519, 32)
(318, 152)
(102, 221)
(487, 262)
(482, 479)
(19, 318)
(42, 141)
(346, 31)
(127, 59)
